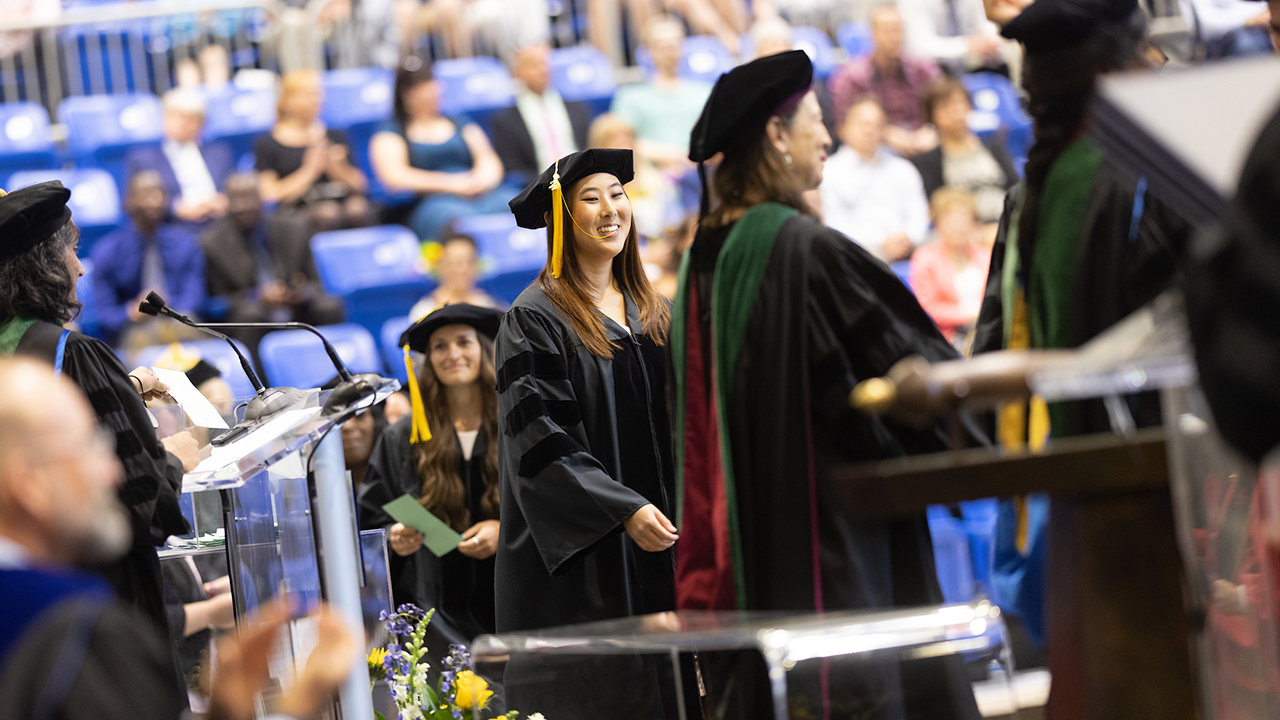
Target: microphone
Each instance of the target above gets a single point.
(344, 397)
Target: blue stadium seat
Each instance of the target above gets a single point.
(902, 269)
(376, 270)
(511, 256)
(215, 352)
(998, 109)
(583, 74)
(980, 526)
(95, 199)
(101, 129)
(854, 38)
(25, 140)
(951, 555)
(474, 86)
(817, 44)
(87, 319)
(356, 100)
(237, 117)
(703, 58)
(392, 353)
(296, 358)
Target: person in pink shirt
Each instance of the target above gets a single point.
(949, 274)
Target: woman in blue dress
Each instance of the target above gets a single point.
(447, 161)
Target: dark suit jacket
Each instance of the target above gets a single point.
(231, 267)
(117, 281)
(217, 157)
(514, 144)
(930, 164)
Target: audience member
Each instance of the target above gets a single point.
(307, 168)
(955, 33)
(950, 274)
(541, 127)
(654, 197)
(663, 110)
(770, 35)
(262, 268)
(215, 66)
(457, 271)
(193, 172)
(897, 80)
(397, 406)
(448, 162)
(962, 160)
(468, 27)
(146, 253)
(723, 19)
(662, 256)
(871, 195)
(1229, 28)
(58, 510)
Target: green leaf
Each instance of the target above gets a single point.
(378, 715)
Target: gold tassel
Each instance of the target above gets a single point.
(557, 222)
(421, 430)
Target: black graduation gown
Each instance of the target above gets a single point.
(570, 423)
(152, 476)
(585, 442)
(458, 587)
(827, 316)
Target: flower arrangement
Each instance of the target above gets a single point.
(459, 691)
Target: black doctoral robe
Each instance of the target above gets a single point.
(152, 476)
(458, 587)
(585, 442)
(827, 315)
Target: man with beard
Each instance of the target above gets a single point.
(67, 648)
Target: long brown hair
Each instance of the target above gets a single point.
(444, 493)
(569, 293)
(755, 174)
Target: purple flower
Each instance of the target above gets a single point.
(411, 609)
(397, 625)
(395, 662)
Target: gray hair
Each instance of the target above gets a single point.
(184, 100)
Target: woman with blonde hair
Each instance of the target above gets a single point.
(445, 454)
(306, 167)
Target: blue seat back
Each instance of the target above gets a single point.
(392, 353)
(237, 117)
(356, 96)
(816, 43)
(511, 257)
(703, 58)
(377, 271)
(980, 526)
(855, 39)
(95, 199)
(296, 358)
(998, 109)
(101, 129)
(25, 139)
(474, 86)
(584, 74)
(215, 352)
(951, 555)
(88, 317)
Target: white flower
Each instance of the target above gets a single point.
(536, 716)
(412, 712)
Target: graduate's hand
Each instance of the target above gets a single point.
(148, 385)
(650, 529)
(185, 448)
(480, 541)
(404, 540)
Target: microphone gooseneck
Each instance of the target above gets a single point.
(155, 305)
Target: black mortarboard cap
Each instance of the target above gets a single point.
(30, 216)
(484, 320)
(745, 96)
(202, 372)
(531, 205)
(1048, 25)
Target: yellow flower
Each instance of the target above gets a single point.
(375, 658)
(472, 691)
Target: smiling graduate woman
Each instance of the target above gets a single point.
(584, 444)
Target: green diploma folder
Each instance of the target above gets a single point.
(436, 536)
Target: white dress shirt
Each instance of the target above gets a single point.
(933, 32)
(12, 555)
(194, 180)
(871, 200)
(548, 122)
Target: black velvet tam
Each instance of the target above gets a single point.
(30, 216)
(745, 96)
(484, 320)
(530, 207)
(1048, 25)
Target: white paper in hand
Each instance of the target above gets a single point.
(195, 405)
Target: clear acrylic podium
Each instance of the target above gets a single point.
(256, 517)
(937, 662)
